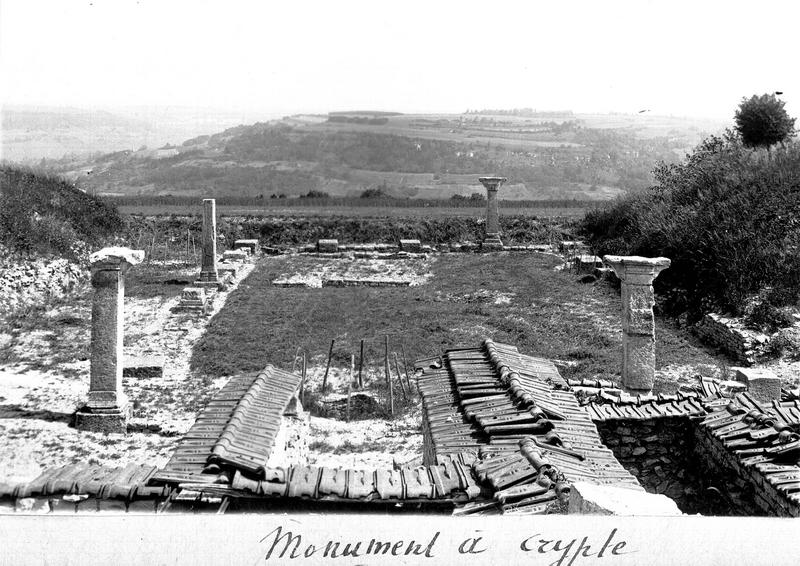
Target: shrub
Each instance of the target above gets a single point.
(728, 217)
(47, 215)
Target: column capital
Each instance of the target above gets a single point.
(637, 270)
(115, 259)
(492, 183)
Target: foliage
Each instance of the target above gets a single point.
(46, 215)
(288, 230)
(762, 121)
(373, 193)
(728, 217)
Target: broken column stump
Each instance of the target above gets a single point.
(107, 408)
(492, 241)
(638, 324)
(209, 276)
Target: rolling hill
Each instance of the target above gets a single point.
(544, 155)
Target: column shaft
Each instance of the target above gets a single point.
(208, 269)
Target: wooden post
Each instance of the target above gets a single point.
(294, 361)
(388, 376)
(350, 384)
(361, 365)
(405, 365)
(400, 377)
(327, 368)
(303, 382)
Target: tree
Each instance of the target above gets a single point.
(762, 121)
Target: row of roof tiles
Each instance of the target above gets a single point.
(129, 483)
(763, 437)
(236, 430)
(514, 412)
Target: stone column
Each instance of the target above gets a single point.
(107, 408)
(208, 270)
(492, 239)
(638, 325)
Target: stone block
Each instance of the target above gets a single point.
(413, 246)
(193, 294)
(250, 245)
(762, 384)
(588, 498)
(329, 246)
(234, 255)
(108, 421)
(586, 263)
(143, 366)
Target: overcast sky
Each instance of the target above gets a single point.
(694, 58)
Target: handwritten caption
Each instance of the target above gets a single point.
(282, 543)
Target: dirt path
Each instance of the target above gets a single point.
(48, 378)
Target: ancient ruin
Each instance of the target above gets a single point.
(107, 408)
(638, 325)
(492, 239)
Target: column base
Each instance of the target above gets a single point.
(492, 244)
(111, 420)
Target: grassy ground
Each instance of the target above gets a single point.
(518, 299)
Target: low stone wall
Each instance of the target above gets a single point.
(730, 336)
(659, 452)
(741, 490)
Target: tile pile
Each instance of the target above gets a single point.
(760, 443)
(514, 412)
(450, 480)
(77, 482)
(235, 431)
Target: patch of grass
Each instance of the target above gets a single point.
(550, 315)
(262, 324)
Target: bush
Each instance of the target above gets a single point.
(728, 217)
(47, 215)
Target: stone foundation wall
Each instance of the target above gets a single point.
(740, 490)
(659, 452)
(731, 337)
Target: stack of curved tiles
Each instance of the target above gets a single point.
(129, 483)
(515, 410)
(759, 442)
(609, 407)
(450, 481)
(236, 429)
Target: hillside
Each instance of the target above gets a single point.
(46, 215)
(544, 155)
